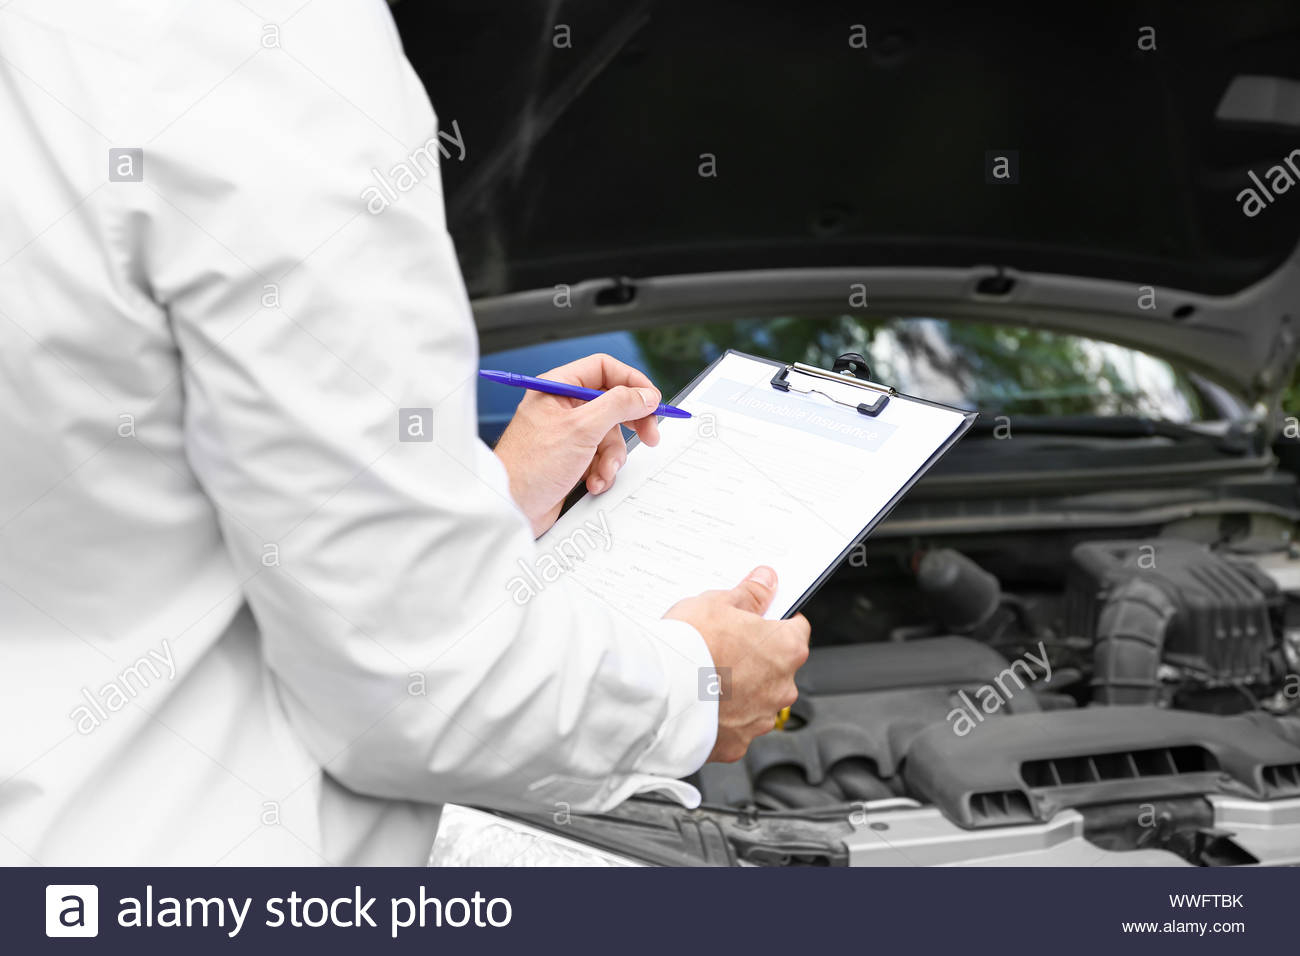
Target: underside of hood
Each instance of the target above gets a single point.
(1151, 146)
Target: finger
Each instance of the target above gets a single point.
(599, 371)
(789, 696)
(605, 372)
(611, 455)
(755, 593)
(795, 634)
(764, 725)
(800, 628)
(647, 429)
(620, 404)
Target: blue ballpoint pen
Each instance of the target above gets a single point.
(561, 388)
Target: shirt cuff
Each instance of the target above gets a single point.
(690, 728)
(680, 746)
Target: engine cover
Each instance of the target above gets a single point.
(1024, 768)
(1204, 613)
(859, 708)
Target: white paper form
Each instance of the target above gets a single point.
(756, 476)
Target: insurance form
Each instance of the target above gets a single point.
(755, 476)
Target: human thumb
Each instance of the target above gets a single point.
(755, 593)
(623, 403)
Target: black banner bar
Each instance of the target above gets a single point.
(649, 910)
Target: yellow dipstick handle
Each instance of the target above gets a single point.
(781, 717)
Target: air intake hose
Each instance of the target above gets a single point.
(1131, 631)
(959, 593)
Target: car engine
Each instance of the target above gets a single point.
(1146, 704)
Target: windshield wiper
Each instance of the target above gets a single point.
(1237, 439)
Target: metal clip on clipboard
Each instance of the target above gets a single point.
(849, 369)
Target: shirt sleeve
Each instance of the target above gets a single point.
(294, 233)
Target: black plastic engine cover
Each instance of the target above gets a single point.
(859, 708)
(1023, 768)
(1221, 629)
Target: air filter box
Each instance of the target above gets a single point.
(1222, 626)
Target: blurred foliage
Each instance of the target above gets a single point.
(992, 368)
(1291, 397)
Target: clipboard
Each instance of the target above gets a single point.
(854, 396)
(850, 372)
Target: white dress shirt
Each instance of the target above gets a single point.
(240, 620)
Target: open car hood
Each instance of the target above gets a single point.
(754, 155)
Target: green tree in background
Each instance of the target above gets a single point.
(992, 368)
(1291, 397)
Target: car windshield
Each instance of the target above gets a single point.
(986, 367)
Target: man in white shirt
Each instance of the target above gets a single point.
(241, 619)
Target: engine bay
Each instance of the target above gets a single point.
(1128, 696)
